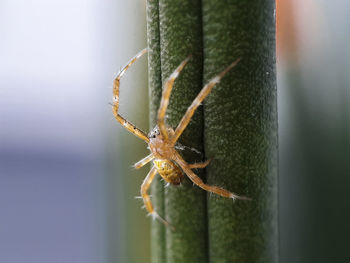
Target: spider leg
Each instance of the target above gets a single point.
(128, 125)
(144, 161)
(198, 181)
(197, 101)
(199, 165)
(146, 198)
(165, 98)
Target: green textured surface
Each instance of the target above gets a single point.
(185, 205)
(241, 129)
(158, 245)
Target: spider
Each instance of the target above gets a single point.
(167, 162)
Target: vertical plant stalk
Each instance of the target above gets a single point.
(239, 125)
(241, 129)
(180, 35)
(158, 245)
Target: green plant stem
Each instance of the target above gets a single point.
(158, 247)
(239, 126)
(241, 129)
(185, 205)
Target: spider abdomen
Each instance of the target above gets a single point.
(169, 171)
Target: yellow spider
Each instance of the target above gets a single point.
(162, 139)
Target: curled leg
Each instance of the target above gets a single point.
(197, 101)
(199, 165)
(198, 181)
(128, 125)
(146, 198)
(165, 98)
(144, 161)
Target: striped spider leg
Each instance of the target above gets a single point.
(140, 134)
(127, 125)
(167, 162)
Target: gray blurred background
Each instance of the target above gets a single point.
(63, 195)
(67, 185)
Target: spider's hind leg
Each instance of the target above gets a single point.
(199, 165)
(199, 182)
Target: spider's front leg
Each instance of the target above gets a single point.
(146, 198)
(165, 98)
(126, 124)
(197, 101)
(198, 181)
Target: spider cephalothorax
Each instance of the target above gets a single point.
(164, 152)
(160, 146)
(162, 139)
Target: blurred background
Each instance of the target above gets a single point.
(63, 195)
(313, 53)
(67, 185)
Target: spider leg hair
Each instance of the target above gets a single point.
(126, 124)
(166, 96)
(144, 161)
(198, 181)
(146, 198)
(181, 147)
(197, 102)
